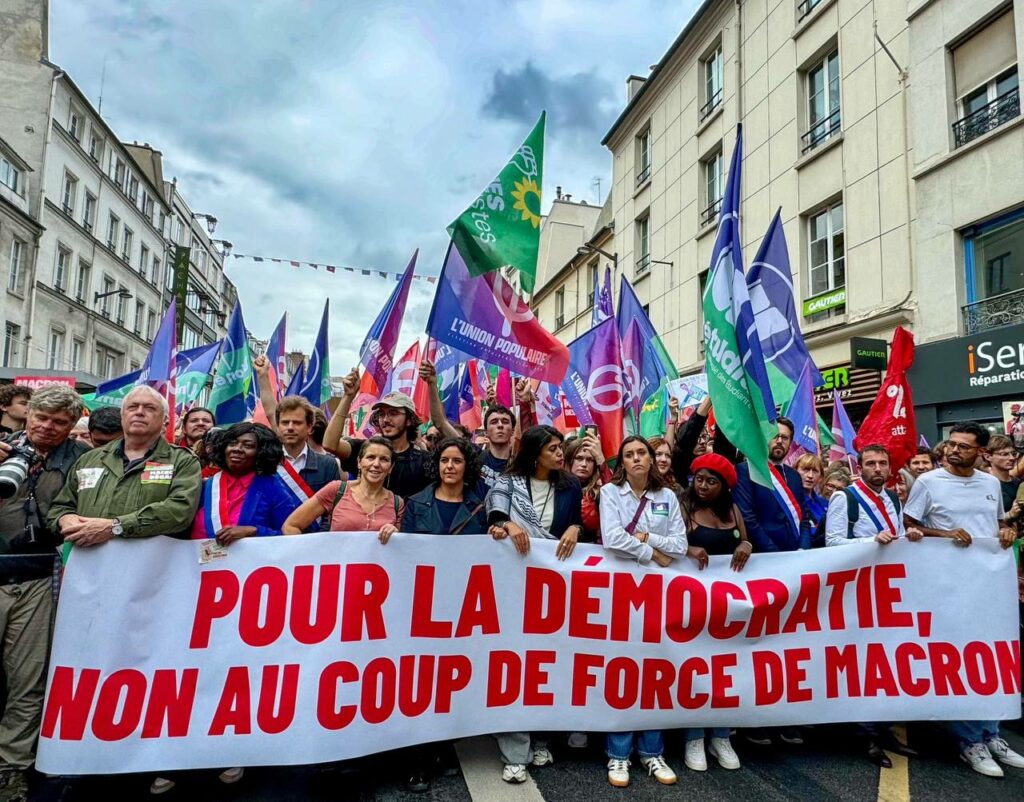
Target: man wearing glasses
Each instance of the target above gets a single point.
(962, 503)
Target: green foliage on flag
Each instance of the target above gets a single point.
(502, 226)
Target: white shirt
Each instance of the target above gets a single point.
(837, 522)
(940, 500)
(543, 494)
(661, 519)
(299, 462)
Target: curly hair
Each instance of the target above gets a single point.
(9, 392)
(412, 423)
(532, 443)
(269, 451)
(470, 453)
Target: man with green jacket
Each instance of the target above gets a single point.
(139, 486)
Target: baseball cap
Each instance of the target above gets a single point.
(397, 401)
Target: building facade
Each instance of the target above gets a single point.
(88, 300)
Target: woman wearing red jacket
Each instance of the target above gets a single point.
(586, 463)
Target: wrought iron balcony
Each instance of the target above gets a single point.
(710, 214)
(805, 8)
(713, 103)
(821, 130)
(1001, 110)
(1006, 309)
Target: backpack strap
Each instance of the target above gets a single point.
(341, 492)
(398, 503)
(895, 499)
(852, 512)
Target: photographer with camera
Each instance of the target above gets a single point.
(34, 465)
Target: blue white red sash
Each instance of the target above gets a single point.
(785, 498)
(870, 502)
(296, 484)
(215, 504)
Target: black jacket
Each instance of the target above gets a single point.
(320, 469)
(423, 516)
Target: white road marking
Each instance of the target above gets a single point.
(481, 768)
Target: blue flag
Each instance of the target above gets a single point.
(316, 384)
(803, 414)
(295, 385)
(452, 399)
(194, 368)
(234, 373)
(603, 308)
(158, 369)
(770, 283)
(657, 364)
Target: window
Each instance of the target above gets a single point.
(823, 115)
(143, 260)
(10, 176)
(702, 283)
(643, 155)
(169, 277)
(70, 191)
(994, 262)
(154, 275)
(108, 289)
(189, 338)
(559, 307)
(805, 8)
(75, 124)
(113, 229)
(16, 265)
(95, 146)
(985, 75)
(89, 212)
(712, 169)
(119, 172)
(140, 317)
(60, 274)
(12, 345)
(643, 243)
(84, 282)
(106, 361)
(827, 255)
(590, 289)
(147, 206)
(77, 346)
(126, 244)
(133, 188)
(119, 308)
(55, 354)
(151, 324)
(712, 83)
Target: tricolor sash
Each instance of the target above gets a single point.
(872, 504)
(215, 504)
(296, 484)
(785, 498)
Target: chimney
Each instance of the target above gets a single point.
(558, 193)
(633, 84)
(567, 198)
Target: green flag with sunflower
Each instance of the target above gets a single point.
(502, 226)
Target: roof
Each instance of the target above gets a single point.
(653, 77)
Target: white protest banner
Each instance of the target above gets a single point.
(330, 646)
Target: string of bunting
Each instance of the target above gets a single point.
(391, 275)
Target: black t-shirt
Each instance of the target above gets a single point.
(448, 510)
(712, 539)
(408, 469)
(492, 468)
(1009, 492)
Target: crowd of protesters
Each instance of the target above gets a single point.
(678, 499)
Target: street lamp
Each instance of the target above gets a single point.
(121, 292)
(211, 221)
(225, 247)
(583, 250)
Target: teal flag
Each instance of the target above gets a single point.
(502, 226)
(233, 374)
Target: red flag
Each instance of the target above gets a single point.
(404, 373)
(421, 396)
(891, 420)
(503, 388)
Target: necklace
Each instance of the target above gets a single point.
(544, 506)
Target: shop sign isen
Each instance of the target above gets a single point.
(824, 302)
(980, 366)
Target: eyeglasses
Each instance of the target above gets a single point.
(954, 446)
(1006, 453)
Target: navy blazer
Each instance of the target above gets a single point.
(423, 516)
(769, 528)
(321, 469)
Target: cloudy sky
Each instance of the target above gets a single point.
(354, 132)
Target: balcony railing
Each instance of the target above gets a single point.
(821, 130)
(1003, 109)
(1006, 309)
(643, 264)
(713, 103)
(643, 175)
(710, 214)
(805, 8)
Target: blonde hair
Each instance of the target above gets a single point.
(809, 461)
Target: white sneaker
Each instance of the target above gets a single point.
(694, 758)
(229, 776)
(514, 773)
(542, 757)
(578, 740)
(721, 748)
(978, 758)
(618, 772)
(1001, 751)
(657, 767)
(161, 785)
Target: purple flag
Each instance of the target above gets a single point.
(158, 369)
(485, 318)
(603, 308)
(298, 378)
(378, 351)
(921, 441)
(803, 414)
(842, 431)
(278, 356)
(594, 385)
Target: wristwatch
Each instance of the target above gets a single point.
(116, 529)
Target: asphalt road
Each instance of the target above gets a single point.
(827, 766)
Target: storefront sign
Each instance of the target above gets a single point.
(964, 368)
(35, 382)
(855, 386)
(868, 353)
(824, 302)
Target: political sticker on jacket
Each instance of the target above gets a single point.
(88, 477)
(659, 508)
(157, 473)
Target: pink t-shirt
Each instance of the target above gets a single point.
(234, 488)
(348, 516)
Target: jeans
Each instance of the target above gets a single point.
(649, 743)
(517, 748)
(698, 733)
(969, 733)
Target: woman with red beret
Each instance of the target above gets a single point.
(714, 525)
